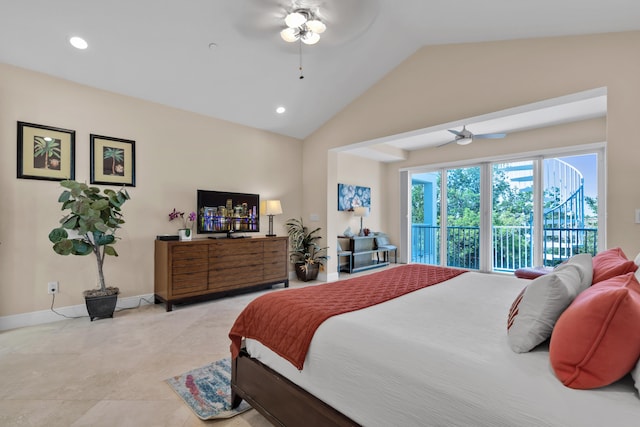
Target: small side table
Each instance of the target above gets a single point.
(362, 249)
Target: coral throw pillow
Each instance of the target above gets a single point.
(596, 341)
(611, 263)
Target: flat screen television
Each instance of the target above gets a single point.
(227, 212)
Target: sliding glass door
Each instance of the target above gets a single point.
(501, 216)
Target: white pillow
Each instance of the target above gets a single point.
(635, 374)
(636, 261)
(535, 311)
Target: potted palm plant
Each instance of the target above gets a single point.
(92, 219)
(306, 254)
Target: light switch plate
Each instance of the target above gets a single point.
(637, 216)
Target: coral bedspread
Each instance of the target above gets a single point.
(286, 321)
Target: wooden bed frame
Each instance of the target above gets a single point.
(282, 402)
(276, 397)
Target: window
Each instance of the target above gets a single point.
(463, 217)
(512, 215)
(540, 211)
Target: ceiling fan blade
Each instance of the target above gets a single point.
(490, 135)
(447, 143)
(455, 132)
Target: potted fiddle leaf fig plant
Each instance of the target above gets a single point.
(88, 227)
(306, 254)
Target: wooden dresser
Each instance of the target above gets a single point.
(213, 268)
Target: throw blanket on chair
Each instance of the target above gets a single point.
(286, 321)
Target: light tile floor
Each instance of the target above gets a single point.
(111, 372)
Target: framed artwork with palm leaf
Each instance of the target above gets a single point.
(113, 161)
(45, 152)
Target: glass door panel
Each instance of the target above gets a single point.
(570, 207)
(463, 217)
(512, 216)
(425, 218)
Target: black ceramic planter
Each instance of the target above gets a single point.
(306, 272)
(101, 307)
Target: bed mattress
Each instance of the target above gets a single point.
(439, 357)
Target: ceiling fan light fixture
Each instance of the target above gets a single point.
(302, 24)
(289, 34)
(310, 38)
(316, 26)
(295, 19)
(464, 141)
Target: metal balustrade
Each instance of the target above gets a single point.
(512, 248)
(512, 245)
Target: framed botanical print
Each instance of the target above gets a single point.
(113, 161)
(45, 152)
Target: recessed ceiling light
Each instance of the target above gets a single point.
(78, 42)
(280, 110)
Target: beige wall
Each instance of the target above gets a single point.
(439, 84)
(365, 173)
(176, 153)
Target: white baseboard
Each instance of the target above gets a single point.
(332, 277)
(47, 316)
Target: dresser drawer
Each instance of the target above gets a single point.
(189, 282)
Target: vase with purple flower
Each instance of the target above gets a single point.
(186, 232)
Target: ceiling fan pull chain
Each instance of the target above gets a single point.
(300, 43)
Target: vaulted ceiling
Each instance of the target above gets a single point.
(225, 58)
(580, 106)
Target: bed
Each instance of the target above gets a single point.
(435, 356)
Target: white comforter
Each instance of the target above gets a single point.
(439, 357)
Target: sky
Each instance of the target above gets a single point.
(587, 165)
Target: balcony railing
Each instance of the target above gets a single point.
(512, 245)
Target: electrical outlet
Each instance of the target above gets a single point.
(52, 288)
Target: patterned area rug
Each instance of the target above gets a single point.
(207, 390)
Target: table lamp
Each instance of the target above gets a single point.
(270, 208)
(361, 211)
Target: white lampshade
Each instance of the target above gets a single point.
(289, 34)
(310, 38)
(271, 207)
(361, 211)
(295, 19)
(316, 26)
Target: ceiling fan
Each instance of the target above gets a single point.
(464, 136)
